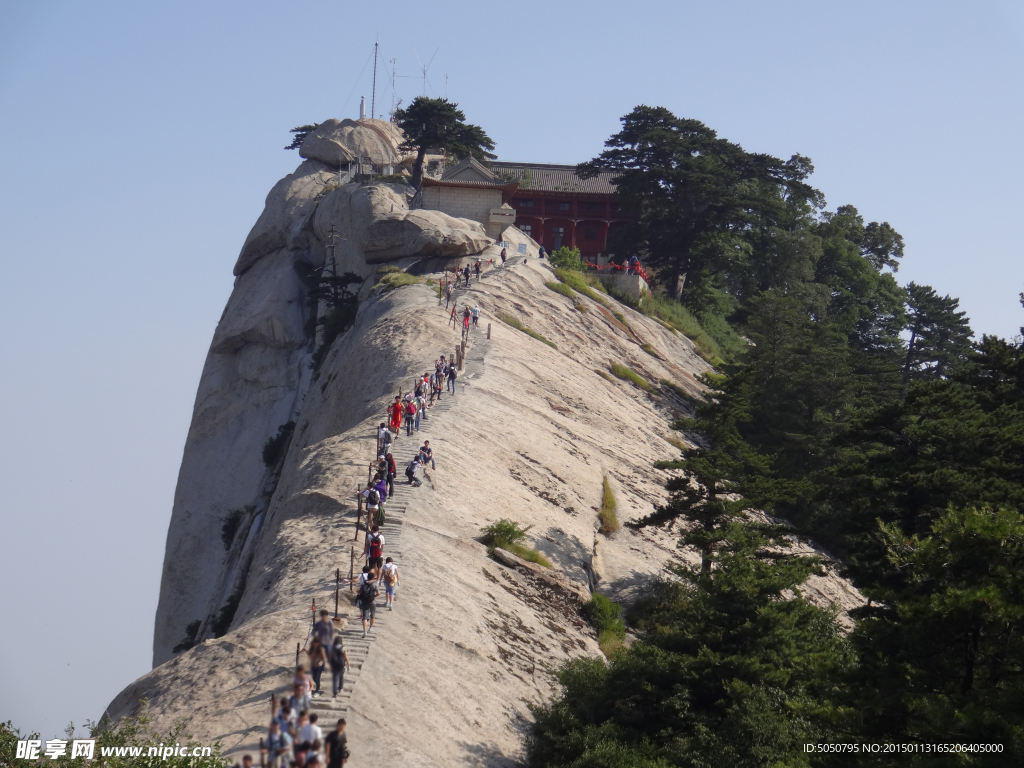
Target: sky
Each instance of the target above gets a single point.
(139, 140)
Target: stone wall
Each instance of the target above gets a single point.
(467, 203)
(634, 285)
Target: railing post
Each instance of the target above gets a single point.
(337, 588)
(488, 330)
(263, 753)
(359, 512)
(297, 655)
(352, 569)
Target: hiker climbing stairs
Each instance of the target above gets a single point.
(405, 448)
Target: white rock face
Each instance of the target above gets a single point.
(258, 367)
(287, 204)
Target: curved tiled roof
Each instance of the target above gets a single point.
(554, 178)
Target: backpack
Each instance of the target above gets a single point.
(376, 546)
(390, 576)
(373, 498)
(338, 655)
(380, 517)
(367, 593)
(410, 408)
(452, 374)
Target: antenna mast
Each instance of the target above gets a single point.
(373, 99)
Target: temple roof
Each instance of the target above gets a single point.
(554, 178)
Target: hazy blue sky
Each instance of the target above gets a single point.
(138, 141)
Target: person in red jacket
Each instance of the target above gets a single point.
(396, 415)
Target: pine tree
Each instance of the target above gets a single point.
(723, 479)
(940, 336)
(438, 123)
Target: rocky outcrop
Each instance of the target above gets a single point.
(340, 142)
(422, 233)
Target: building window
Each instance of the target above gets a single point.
(590, 233)
(526, 229)
(558, 233)
(563, 206)
(526, 203)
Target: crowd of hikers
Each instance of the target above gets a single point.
(295, 738)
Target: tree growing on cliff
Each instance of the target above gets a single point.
(301, 132)
(438, 123)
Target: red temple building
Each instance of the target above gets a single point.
(556, 207)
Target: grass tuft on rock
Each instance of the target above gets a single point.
(609, 520)
(392, 280)
(508, 535)
(626, 373)
(581, 284)
(604, 375)
(514, 322)
(650, 350)
(606, 617)
(561, 288)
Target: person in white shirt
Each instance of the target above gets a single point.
(390, 578)
(311, 733)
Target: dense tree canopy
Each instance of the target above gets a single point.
(862, 415)
(440, 124)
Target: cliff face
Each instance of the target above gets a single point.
(530, 436)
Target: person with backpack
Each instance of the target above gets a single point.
(452, 376)
(391, 581)
(392, 472)
(541, 253)
(368, 592)
(412, 472)
(278, 746)
(476, 268)
(339, 663)
(504, 255)
(317, 661)
(421, 410)
(323, 630)
(374, 551)
(336, 744)
(476, 315)
(384, 438)
(372, 497)
(410, 417)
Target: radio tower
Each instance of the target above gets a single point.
(373, 98)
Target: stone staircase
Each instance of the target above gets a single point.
(404, 450)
